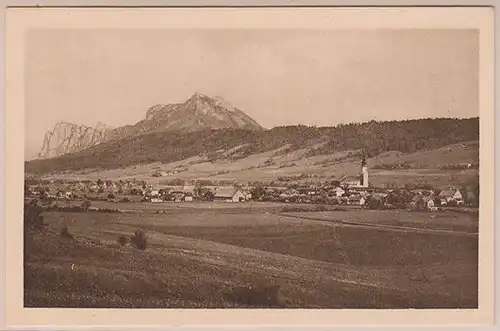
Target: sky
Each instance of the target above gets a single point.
(278, 77)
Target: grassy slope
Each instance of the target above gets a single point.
(374, 137)
(197, 257)
(254, 168)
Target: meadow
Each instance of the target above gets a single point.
(220, 255)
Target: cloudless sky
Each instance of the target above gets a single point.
(278, 77)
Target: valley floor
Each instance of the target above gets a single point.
(222, 256)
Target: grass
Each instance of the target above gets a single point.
(250, 257)
(425, 164)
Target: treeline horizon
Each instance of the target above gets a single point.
(374, 137)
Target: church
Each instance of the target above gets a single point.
(362, 181)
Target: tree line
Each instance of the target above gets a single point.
(374, 137)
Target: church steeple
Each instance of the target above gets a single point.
(364, 171)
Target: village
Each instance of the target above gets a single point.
(357, 192)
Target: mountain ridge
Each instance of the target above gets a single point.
(198, 112)
(171, 146)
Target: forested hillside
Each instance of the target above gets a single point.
(375, 137)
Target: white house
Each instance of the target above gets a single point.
(338, 192)
(451, 195)
(229, 194)
(430, 205)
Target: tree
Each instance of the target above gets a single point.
(33, 219)
(437, 201)
(200, 190)
(375, 203)
(258, 192)
(139, 240)
(86, 205)
(476, 195)
(27, 192)
(465, 195)
(208, 196)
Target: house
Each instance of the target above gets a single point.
(338, 192)
(430, 205)
(248, 195)
(356, 200)
(229, 194)
(177, 196)
(156, 200)
(188, 198)
(451, 195)
(351, 182)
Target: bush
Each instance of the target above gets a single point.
(33, 220)
(33, 223)
(85, 205)
(65, 233)
(123, 240)
(139, 240)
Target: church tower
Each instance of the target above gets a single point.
(364, 172)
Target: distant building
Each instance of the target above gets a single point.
(338, 191)
(362, 180)
(177, 196)
(229, 195)
(356, 200)
(430, 205)
(364, 172)
(451, 194)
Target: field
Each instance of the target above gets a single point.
(209, 255)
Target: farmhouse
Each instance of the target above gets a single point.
(449, 195)
(357, 199)
(229, 194)
(338, 192)
(430, 205)
(177, 196)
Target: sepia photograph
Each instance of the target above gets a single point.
(250, 166)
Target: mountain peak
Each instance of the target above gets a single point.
(199, 112)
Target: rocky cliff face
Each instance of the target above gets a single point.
(197, 113)
(68, 138)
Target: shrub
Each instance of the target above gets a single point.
(123, 240)
(85, 205)
(33, 223)
(139, 240)
(33, 220)
(65, 233)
